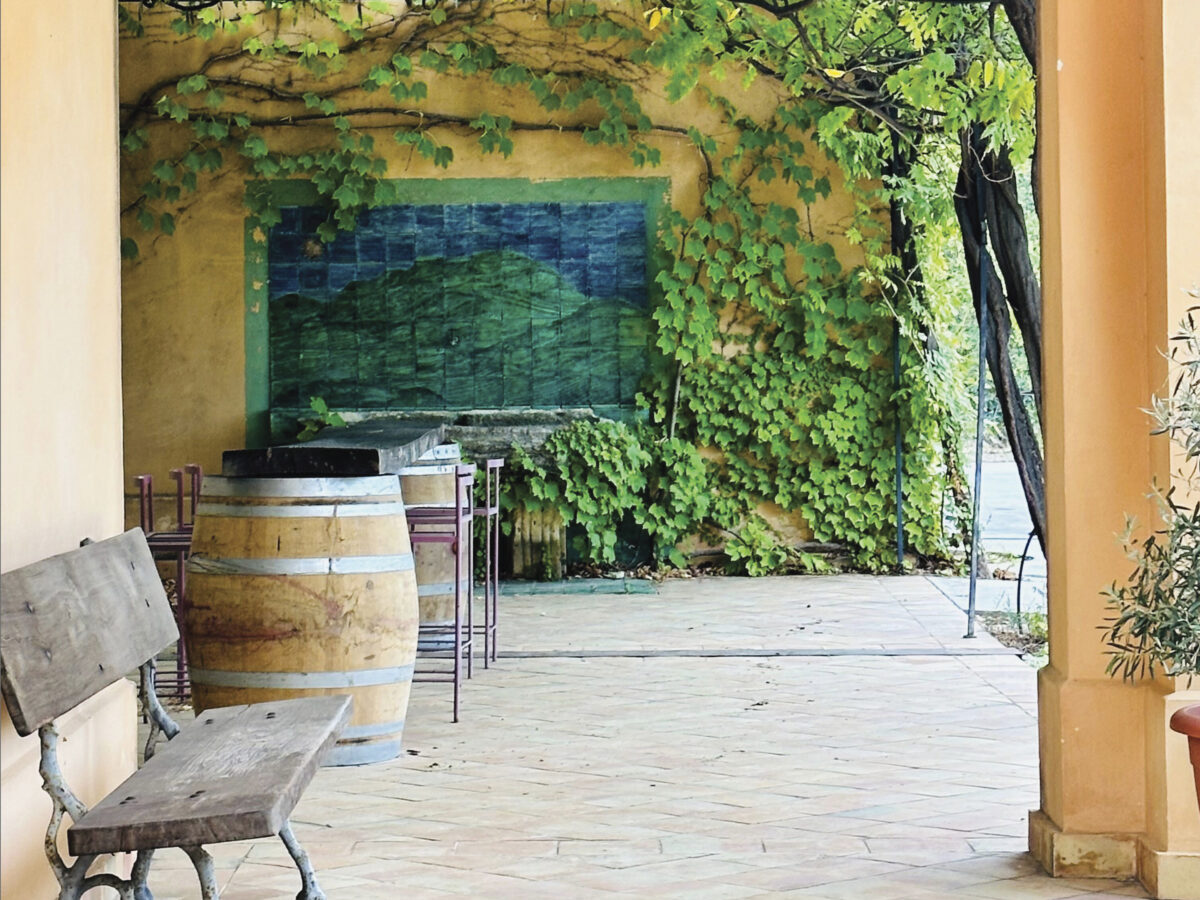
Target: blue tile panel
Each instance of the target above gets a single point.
(460, 306)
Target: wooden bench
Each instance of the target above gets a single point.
(76, 623)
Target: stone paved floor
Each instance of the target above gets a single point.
(827, 738)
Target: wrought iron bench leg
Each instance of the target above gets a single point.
(310, 890)
(78, 883)
(73, 880)
(141, 871)
(205, 871)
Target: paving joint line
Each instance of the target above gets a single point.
(755, 652)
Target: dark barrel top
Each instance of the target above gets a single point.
(374, 447)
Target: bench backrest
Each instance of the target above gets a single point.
(75, 623)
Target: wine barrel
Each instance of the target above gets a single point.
(429, 484)
(302, 587)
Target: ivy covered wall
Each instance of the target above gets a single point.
(767, 408)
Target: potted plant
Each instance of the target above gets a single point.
(1156, 626)
(1187, 721)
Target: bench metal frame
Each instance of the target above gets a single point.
(62, 643)
(73, 880)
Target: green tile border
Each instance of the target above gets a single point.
(581, 586)
(653, 192)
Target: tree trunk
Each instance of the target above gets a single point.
(911, 281)
(991, 174)
(1024, 18)
(1010, 245)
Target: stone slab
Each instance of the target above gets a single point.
(372, 447)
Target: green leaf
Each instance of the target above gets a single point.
(193, 84)
(347, 195)
(834, 121)
(133, 141)
(254, 147)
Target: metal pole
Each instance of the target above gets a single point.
(899, 447)
(979, 399)
(978, 471)
(1025, 557)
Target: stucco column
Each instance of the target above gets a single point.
(1115, 79)
(60, 376)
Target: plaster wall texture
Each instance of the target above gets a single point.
(60, 448)
(1118, 231)
(1174, 821)
(98, 751)
(1182, 130)
(184, 323)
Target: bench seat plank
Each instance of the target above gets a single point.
(233, 773)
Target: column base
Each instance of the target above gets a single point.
(1166, 875)
(1169, 875)
(1063, 854)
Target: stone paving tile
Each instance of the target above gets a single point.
(829, 613)
(1036, 887)
(900, 777)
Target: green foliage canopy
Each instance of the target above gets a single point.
(768, 350)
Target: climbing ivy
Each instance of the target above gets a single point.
(323, 417)
(771, 379)
(593, 473)
(598, 473)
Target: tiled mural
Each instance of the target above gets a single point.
(460, 306)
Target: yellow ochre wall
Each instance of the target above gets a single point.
(1120, 233)
(184, 320)
(60, 447)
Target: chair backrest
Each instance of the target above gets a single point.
(75, 623)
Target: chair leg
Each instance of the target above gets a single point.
(458, 638)
(493, 525)
(467, 551)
